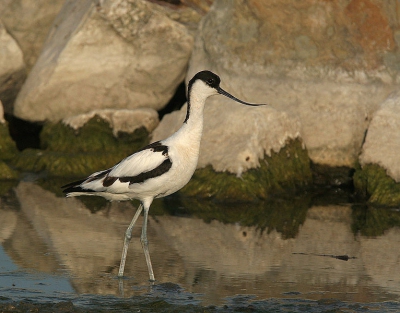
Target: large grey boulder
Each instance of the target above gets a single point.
(29, 22)
(8, 150)
(322, 62)
(12, 68)
(107, 54)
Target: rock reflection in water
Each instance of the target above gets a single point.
(213, 258)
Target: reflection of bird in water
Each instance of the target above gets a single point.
(158, 169)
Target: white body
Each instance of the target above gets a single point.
(183, 151)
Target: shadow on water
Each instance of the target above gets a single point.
(303, 253)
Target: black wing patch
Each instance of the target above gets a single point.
(108, 181)
(142, 177)
(158, 171)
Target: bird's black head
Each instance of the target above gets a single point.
(206, 84)
(207, 77)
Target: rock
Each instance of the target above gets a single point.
(241, 155)
(322, 62)
(7, 173)
(199, 5)
(71, 148)
(12, 69)
(29, 24)
(113, 54)
(379, 175)
(121, 121)
(8, 150)
(382, 142)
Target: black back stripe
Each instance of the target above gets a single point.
(156, 147)
(142, 177)
(159, 170)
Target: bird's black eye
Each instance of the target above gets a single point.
(210, 81)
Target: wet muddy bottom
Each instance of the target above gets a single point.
(296, 255)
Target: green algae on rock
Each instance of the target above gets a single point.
(372, 182)
(7, 173)
(8, 152)
(289, 169)
(8, 148)
(72, 153)
(95, 135)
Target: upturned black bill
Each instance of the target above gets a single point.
(226, 94)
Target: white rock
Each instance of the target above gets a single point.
(120, 120)
(116, 54)
(235, 137)
(29, 23)
(382, 143)
(11, 67)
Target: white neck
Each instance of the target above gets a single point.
(192, 128)
(193, 125)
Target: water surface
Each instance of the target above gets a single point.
(297, 253)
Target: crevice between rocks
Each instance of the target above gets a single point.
(176, 102)
(25, 134)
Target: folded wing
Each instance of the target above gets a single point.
(149, 162)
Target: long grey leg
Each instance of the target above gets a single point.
(145, 244)
(128, 236)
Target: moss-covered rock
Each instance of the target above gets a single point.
(7, 173)
(8, 152)
(95, 135)
(8, 149)
(372, 182)
(287, 170)
(65, 164)
(68, 152)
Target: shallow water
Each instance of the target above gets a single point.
(292, 255)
